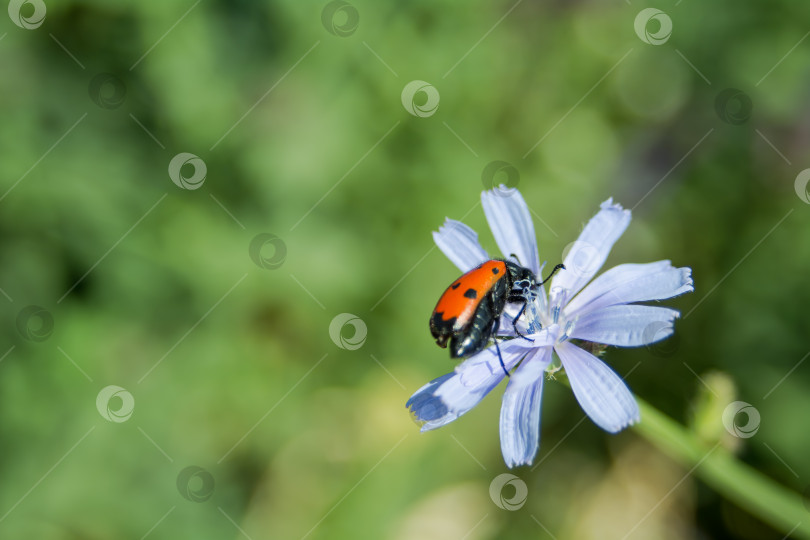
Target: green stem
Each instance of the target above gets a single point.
(756, 493)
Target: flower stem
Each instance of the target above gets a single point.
(751, 490)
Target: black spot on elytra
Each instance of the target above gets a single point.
(455, 285)
(471, 294)
(495, 270)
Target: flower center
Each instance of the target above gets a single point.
(542, 313)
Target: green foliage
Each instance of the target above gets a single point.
(304, 136)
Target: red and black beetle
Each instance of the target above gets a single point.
(468, 313)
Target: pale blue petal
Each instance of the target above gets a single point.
(626, 325)
(628, 283)
(444, 399)
(545, 337)
(520, 410)
(587, 255)
(600, 392)
(460, 244)
(512, 226)
(424, 405)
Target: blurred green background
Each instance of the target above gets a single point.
(295, 110)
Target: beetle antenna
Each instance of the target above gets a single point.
(513, 255)
(553, 271)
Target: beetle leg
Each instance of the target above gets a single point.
(515, 298)
(515, 320)
(495, 326)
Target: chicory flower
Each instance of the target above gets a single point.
(576, 311)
